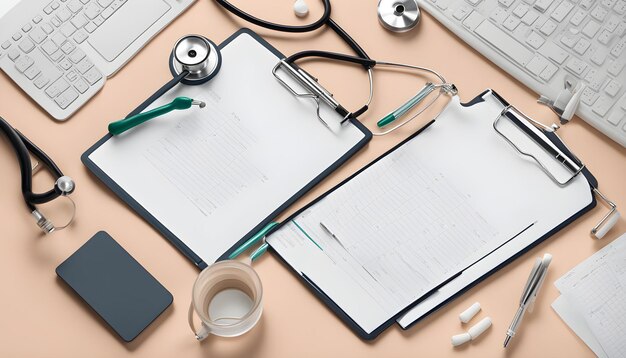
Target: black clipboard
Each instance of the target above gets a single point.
(348, 321)
(177, 242)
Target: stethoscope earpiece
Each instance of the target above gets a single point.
(197, 55)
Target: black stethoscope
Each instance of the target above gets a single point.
(63, 185)
(195, 60)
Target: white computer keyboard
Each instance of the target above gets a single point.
(47, 62)
(544, 43)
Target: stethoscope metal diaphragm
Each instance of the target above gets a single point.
(398, 15)
(197, 55)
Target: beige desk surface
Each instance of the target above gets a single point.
(41, 317)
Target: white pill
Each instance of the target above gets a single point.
(461, 339)
(608, 225)
(300, 8)
(477, 329)
(469, 313)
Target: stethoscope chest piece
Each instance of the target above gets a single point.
(398, 15)
(197, 55)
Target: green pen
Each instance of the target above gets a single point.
(121, 126)
(414, 101)
(253, 240)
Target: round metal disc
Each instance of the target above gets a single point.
(398, 15)
(198, 55)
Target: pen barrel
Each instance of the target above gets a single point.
(408, 105)
(517, 320)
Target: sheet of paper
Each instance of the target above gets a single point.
(577, 323)
(211, 175)
(596, 288)
(403, 226)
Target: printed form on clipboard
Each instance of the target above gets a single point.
(428, 219)
(210, 178)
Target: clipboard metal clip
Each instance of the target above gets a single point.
(314, 90)
(539, 134)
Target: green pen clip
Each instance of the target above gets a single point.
(121, 126)
(253, 240)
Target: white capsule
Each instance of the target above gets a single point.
(469, 313)
(300, 8)
(461, 339)
(478, 329)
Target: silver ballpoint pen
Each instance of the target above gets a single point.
(533, 285)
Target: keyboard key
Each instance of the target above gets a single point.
(535, 40)
(93, 75)
(615, 67)
(74, 6)
(618, 48)
(602, 106)
(504, 42)
(548, 72)
(620, 30)
(578, 17)
(598, 57)
(66, 98)
(41, 81)
(537, 65)
(473, 20)
(16, 36)
(13, 54)
(37, 19)
(47, 28)
(56, 56)
(562, 10)
(81, 85)
(54, 5)
(620, 7)
(79, 21)
(47, 10)
(6, 45)
(461, 12)
(588, 96)
(38, 35)
(581, 46)
(27, 27)
(58, 39)
(23, 63)
(104, 3)
(65, 64)
(576, 66)
(26, 45)
(520, 10)
(68, 29)
(92, 11)
(71, 75)
(605, 37)
(612, 88)
(599, 13)
(530, 18)
(32, 72)
(106, 13)
(616, 117)
(77, 55)
(548, 27)
(511, 23)
(91, 27)
(64, 14)
(554, 52)
(84, 65)
(569, 40)
(68, 47)
(57, 88)
(499, 15)
(98, 20)
(56, 22)
(591, 28)
(542, 5)
(80, 36)
(595, 79)
(611, 23)
(49, 47)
